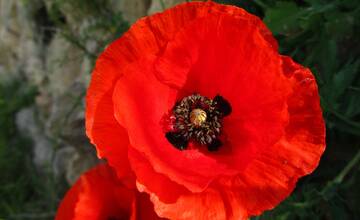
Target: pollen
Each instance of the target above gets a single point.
(198, 117)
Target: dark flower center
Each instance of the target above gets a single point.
(197, 119)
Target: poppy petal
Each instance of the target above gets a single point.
(153, 91)
(220, 39)
(205, 205)
(254, 83)
(272, 176)
(142, 119)
(175, 202)
(102, 128)
(148, 35)
(85, 200)
(109, 138)
(160, 184)
(100, 195)
(145, 208)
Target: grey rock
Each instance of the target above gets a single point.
(158, 6)
(61, 72)
(42, 147)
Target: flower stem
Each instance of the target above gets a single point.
(339, 178)
(330, 188)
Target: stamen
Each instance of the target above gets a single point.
(197, 119)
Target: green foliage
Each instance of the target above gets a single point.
(23, 190)
(13, 96)
(324, 36)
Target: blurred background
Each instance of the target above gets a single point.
(48, 49)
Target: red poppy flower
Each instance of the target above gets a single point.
(100, 195)
(214, 122)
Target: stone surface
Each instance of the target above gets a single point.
(57, 58)
(71, 163)
(133, 9)
(42, 147)
(160, 5)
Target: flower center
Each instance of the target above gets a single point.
(197, 119)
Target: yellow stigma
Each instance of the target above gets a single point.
(197, 117)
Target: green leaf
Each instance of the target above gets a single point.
(344, 78)
(283, 17)
(353, 102)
